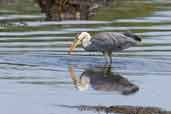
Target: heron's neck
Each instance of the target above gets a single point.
(86, 41)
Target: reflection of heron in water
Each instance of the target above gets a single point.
(102, 79)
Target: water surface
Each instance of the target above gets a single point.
(35, 68)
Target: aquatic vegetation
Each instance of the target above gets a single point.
(120, 109)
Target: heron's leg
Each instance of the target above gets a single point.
(108, 57)
(105, 56)
(107, 69)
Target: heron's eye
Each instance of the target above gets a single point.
(77, 35)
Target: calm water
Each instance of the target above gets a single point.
(37, 74)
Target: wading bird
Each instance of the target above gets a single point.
(106, 42)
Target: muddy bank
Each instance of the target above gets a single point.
(120, 109)
(70, 9)
(92, 9)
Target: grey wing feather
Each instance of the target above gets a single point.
(121, 41)
(100, 42)
(110, 41)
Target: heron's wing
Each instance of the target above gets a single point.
(121, 41)
(110, 41)
(100, 42)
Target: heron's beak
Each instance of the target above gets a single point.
(74, 45)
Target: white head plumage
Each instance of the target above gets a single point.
(83, 38)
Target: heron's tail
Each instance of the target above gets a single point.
(137, 38)
(132, 35)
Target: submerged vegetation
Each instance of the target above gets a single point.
(120, 109)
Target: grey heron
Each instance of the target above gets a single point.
(106, 42)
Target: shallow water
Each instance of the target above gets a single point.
(35, 68)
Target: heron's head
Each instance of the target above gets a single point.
(83, 84)
(78, 40)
